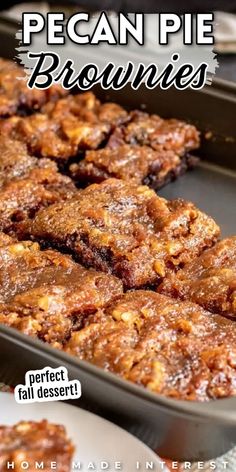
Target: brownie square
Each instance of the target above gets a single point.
(133, 163)
(45, 294)
(127, 230)
(161, 134)
(144, 149)
(65, 128)
(171, 347)
(209, 280)
(16, 97)
(33, 442)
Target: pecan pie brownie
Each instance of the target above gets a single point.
(65, 128)
(32, 443)
(45, 294)
(173, 348)
(159, 133)
(126, 230)
(137, 164)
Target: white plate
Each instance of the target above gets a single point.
(95, 439)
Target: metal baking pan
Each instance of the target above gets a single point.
(176, 429)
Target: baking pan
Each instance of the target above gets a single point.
(176, 429)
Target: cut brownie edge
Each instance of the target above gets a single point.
(132, 163)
